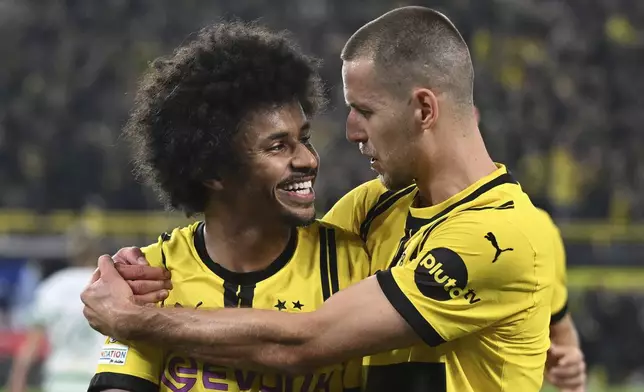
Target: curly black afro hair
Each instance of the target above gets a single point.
(190, 105)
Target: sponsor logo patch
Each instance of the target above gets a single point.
(442, 275)
(113, 354)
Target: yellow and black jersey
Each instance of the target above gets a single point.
(385, 220)
(472, 275)
(559, 306)
(299, 280)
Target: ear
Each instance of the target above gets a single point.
(214, 184)
(427, 107)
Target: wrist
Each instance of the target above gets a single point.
(129, 322)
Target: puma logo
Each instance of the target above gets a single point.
(490, 237)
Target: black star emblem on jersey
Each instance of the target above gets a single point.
(281, 305)
(297, 305)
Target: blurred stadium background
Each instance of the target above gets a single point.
(559, 86)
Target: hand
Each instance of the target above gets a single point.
(109, 301)
(149, 284)
(566, 369)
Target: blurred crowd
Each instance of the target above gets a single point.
(558, 86)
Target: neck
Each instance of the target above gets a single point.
(243, 243)
(453, 167)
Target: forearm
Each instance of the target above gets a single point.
(355, 322)
(249, 338)
(564, 333)
(24, 360)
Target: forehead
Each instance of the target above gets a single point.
(360, 82)
(262, 124)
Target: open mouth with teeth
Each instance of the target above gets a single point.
(300, 191)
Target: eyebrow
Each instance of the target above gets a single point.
(355, 106)
(283, 134)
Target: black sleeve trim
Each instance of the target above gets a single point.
(403, 305)
(556, 317)
(103, 381)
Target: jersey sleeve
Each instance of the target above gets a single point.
(462, 277)
(132, 366)
(560, 289)
(351, 210)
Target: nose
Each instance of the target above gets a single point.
(305, 158)
(355, 132)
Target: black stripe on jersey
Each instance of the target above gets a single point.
(243, 278)
(420, 245)
(406, 376)
(509, 205)
(108, 380)
(506, 178)
(230, 295)
(555, 318)
(401, 248)
(407, 310)
(324, 269)
(333, 262)
(246, 294)
(383, 204)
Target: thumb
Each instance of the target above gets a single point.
(106, 268)
(556, 350)
(95, 276)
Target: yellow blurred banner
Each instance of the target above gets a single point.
(610, 278)
(146, 223)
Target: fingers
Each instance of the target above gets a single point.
(569, 371)
(576, 383)
(131, 256)
(106, 268)
(142, 272)
(151, 298)
(141, 287)
(570, 376)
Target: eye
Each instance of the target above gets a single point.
(363, 112)
(277, 147)
(305, 139)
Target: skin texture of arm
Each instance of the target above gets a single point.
(564, 333)
(565, 366)
(355, 322)
(24, 360)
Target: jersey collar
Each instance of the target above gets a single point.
(243, 278)
(419, 217)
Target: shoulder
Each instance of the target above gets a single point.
(492, 234)
(323, 231)
(178, 240)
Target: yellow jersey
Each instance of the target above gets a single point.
(299, 280)
(559, 305)
(472, 275)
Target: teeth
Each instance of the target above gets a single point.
(299, 186)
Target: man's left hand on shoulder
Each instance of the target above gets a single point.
(109, 301)
(566, 368)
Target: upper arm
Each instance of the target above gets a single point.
(129, 367)
(452, 283)
(560, 290)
